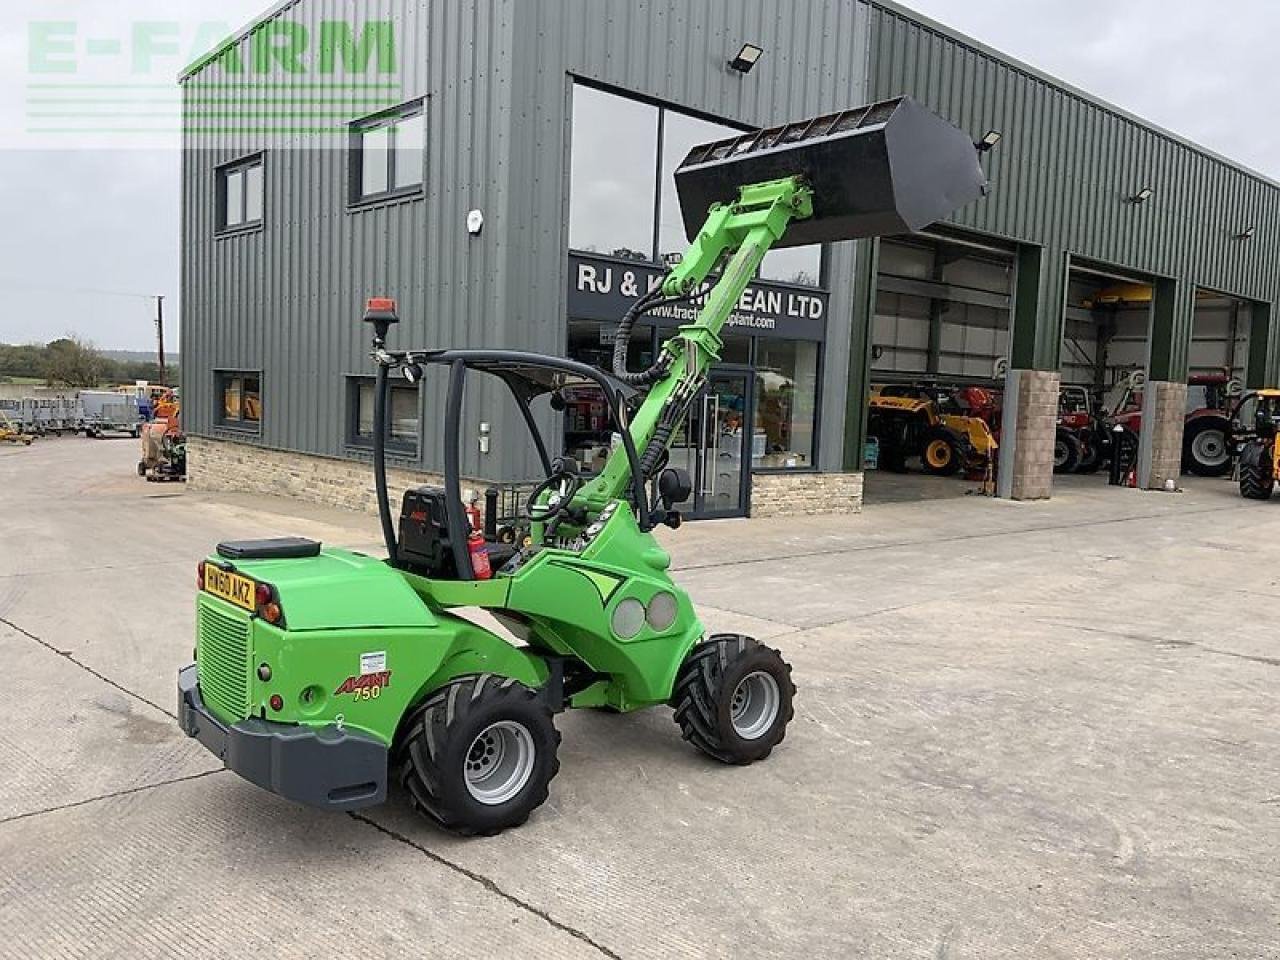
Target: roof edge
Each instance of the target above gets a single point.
(201, 62)
(897, 9)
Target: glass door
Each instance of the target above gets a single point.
(711, 447)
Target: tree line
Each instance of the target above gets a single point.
(75, 364)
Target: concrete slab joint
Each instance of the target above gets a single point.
(1027, 434)
(1164, 411)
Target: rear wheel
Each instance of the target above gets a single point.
(1206, 451)
(939, 457)
(733, 698)
(1091, 458)
(1257, 481)
(1067, 452)
(477, 756)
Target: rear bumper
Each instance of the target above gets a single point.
(322, 767)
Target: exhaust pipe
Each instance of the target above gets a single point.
(888, 168)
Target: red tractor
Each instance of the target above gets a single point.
(1206, 438)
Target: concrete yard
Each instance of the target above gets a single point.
(1022, 730)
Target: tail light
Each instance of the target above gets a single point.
(269, 604)
(200, 575)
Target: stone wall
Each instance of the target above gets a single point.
(1164, 418)
(227, 466)
(805, 494)
(1035, 425)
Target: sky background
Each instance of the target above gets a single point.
(90, 234)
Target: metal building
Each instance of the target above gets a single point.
(503, 168)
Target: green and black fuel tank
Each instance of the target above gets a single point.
(887, 168)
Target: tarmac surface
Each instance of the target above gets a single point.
(1022, 730)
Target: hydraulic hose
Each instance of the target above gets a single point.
(622, 339)
(381, 389)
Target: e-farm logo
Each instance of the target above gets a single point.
(118, 81)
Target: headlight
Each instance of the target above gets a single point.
(628, 618)
(662, 611)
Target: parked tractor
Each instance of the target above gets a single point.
(1083, 441)
(9, 433)
(1206, 438)
(927, 422)
(1260, 455)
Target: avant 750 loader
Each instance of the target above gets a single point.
(322, 674)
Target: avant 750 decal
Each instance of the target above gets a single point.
(366, 687)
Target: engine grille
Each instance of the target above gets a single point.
(223, 658)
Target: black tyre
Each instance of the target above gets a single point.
(1068, 452)
(1206, 447)
(1257, 481)
(1091, 457)
(477, 755)
(733, 698)
(142, 468)
(939, 453)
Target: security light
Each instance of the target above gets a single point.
(1247, 233)
(1142, 196)
(746, 58)
(989, 140)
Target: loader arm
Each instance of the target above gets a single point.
(743, 232)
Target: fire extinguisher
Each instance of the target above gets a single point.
(474, 518)
(479, 556)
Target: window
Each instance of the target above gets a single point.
(402, 424)
(388, 154)
(588, 435)
(241, 399)
(611, 174)
(786, 403)
(240, 194)
(622, 194)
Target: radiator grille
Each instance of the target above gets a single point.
(223, 661)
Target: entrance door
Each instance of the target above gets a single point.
(712, 447)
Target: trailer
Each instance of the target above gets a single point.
(106, 411)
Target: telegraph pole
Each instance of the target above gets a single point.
(160, 337)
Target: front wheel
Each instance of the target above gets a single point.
(940, 457)
(1068, 452)
(733, 698)
(477, 756)
(1257, 480)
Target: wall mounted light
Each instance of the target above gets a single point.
(1247, 233)
(1142, 196)
(989, 140)
(746, 58)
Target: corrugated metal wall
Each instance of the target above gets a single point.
(1067, 163)
(288, 299)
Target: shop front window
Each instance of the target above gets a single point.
(680, 134)
(786, 404)
(587, 433)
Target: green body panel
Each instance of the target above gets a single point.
(364, 642)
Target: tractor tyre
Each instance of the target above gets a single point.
(1206, 447)
(1257, 482)
(939, 454)
(478, 754)
(733, 698)
(1090, 459)
(1068, 452)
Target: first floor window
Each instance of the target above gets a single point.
(786, 403)
(388, 153)
(402, 422)
(240, 399)
(241, 194)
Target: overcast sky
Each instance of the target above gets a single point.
(81, 225)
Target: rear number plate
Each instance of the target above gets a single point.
(230, 587)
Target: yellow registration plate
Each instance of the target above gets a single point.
(230, 587)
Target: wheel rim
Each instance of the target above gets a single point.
(938, 453)
(1060, 453)
(1210, 447)
(755, 705)
(499, 762)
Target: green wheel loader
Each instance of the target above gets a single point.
(323, 674)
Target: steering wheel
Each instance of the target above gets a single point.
(560, 488)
